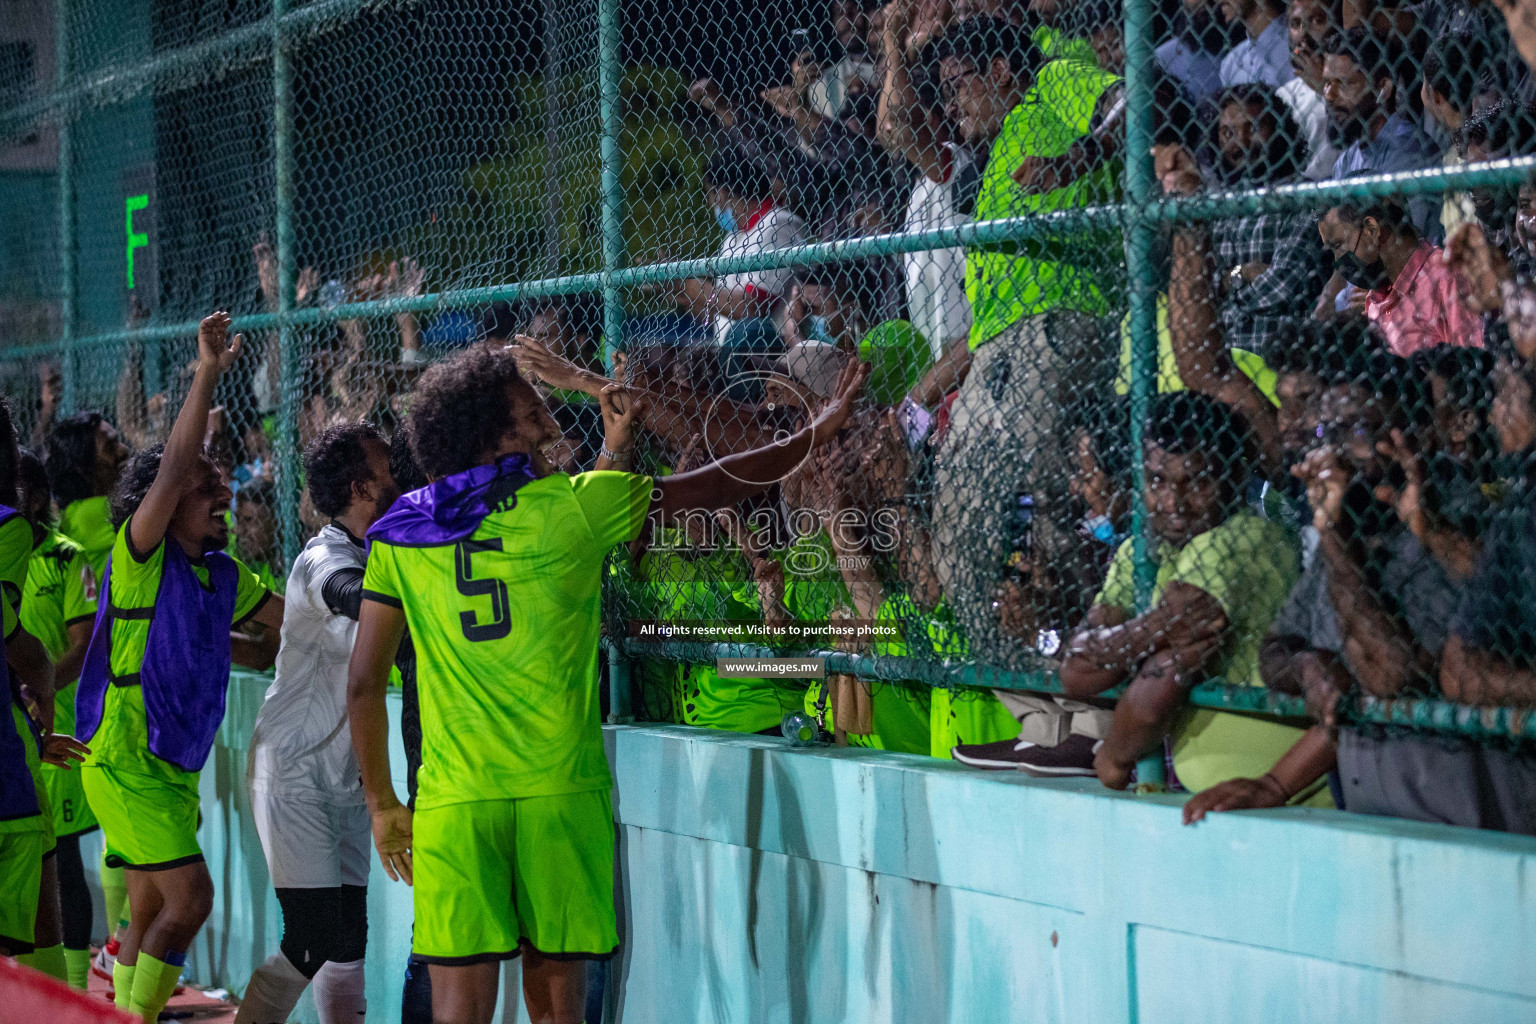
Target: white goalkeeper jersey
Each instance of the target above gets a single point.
(301, 736)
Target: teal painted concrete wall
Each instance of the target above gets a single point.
(765, 883)
(770, 884)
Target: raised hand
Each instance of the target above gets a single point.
(1405, 501)
(266, 270)
(706, 93)
(1176, 170)
(1326, 478)
(621, 409)
(930, 20)
(785, 100)
(211, 348)
(896, 17)
(407, 278)
(50, 384)
(833, 416)
(1480, 267)
(535, 359)
(307, 284)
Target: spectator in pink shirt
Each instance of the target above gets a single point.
(1401, 281)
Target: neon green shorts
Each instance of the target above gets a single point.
(21, 879)
(66, 793)
(493, 875)
(147, 823)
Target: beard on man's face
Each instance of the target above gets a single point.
(1345, 128)
(1261, 163)
(1246, 168)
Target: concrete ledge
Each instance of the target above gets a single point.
(891, 884)
(762, 882)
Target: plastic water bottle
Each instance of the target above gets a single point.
(801, 729)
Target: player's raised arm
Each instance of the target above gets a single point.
(729, 480)
(184, 448)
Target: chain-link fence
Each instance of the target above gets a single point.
(1175, 395)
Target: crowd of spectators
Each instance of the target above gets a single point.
(1336, 466)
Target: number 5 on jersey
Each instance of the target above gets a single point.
(500, 623)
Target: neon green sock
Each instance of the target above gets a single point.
(154, 981)
(77, 964)
(48, 959)
(122, 983)
(114, 892)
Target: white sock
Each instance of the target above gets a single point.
(339, 993)
(273, 992)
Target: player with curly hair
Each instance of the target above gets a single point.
(496, 566)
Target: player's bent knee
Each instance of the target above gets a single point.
(323, 924)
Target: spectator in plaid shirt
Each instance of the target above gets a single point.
(1270, 266)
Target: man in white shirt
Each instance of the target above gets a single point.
(1265, 56)
(741, 198)
(1308, 23)
(943, 196)
(306, 792)
(1451, 69)
(849, 26)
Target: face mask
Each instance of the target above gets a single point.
(1101, 530)
(726, 218)
(817, 328)
(1372, 276)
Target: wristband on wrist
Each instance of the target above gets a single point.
(1285, 797)
(615, 456)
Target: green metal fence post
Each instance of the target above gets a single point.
(621, 681)
(287, 441)
(68, 263)
(1140, 181)
(610, 71)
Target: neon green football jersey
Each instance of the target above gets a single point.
(15, 554)
(122, 739)
(60, 592)
(505, 624)
(88, 522)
